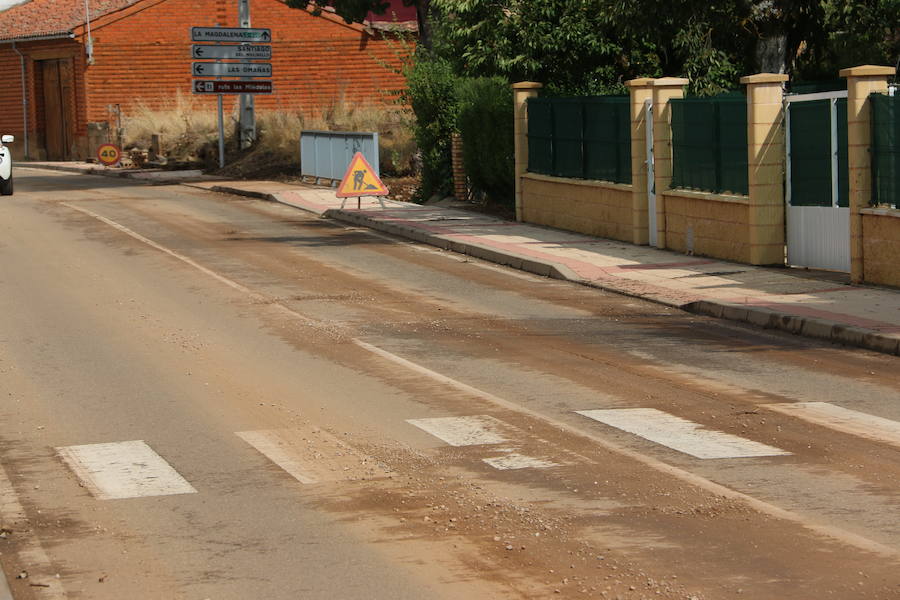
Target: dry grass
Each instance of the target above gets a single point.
(190, 134)
(184, 128)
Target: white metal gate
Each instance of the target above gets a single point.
(651, 187)
(817, 212)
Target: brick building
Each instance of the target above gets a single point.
(58, 87)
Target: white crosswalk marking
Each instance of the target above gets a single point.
(843, 419)
(518, 461)
(124, 470)
(463, 431)
(5, 593)
(312, 455)
(268, 445)
(680, 434)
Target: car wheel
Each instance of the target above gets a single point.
(6, 186)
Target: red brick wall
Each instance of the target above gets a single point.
(10, 93)
(142, 54)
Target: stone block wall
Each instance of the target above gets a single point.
(881, 246)
(592, 207)
(708, 225)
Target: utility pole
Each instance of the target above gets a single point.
(247, 115)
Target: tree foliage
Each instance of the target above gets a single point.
(485, 121)
(430, 90)
(593, 46)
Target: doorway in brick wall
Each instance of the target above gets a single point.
(57, 86)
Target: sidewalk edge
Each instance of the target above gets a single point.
(68, 169)
(104, 172)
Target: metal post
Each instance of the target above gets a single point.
(787, 153)
(835, 189)
(221, 133)
(247, 115)
(221, 122)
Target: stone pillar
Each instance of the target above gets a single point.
(640, 91)
(765, 166)
(521, 92)
(664, 89)
(861, 81)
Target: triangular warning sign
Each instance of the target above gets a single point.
(360, 180)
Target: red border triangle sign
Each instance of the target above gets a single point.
(360, 180)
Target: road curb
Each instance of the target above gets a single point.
(103, 172)
(764, 318)
(67, 169)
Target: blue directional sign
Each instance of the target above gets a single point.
(230, 34)
(211, 69)
(232, 52)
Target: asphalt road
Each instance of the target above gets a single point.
(206, 396)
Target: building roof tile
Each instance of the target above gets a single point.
(57, 18)
(46, 18)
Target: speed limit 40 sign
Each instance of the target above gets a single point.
(109, 154)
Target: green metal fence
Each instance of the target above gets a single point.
(709, 143)
(885, 150)
(581, 138)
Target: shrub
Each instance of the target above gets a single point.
(430, 86)
(486, 123)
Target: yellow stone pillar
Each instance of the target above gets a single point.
(640, 90)
(664, 89)
(861, 81)
(765, 166)
(522, 91)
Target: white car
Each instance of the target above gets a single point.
(6, 178)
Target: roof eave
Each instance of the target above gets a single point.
(38, 38)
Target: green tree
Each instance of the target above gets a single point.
(855, 32)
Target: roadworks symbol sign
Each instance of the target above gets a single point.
(360, 180)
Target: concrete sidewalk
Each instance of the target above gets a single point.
(786, 299)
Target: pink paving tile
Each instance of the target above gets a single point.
(671, 265)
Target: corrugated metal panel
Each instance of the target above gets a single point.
(819, 237)
(327, 154)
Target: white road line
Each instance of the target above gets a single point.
(124, 470)
(830, 531)
(5, 592)
(312, 455)
(463, 431)
(518, 461)
(843, 419)
(681, 434)
(32, 554)
(269, 446)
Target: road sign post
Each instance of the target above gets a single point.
(247, 114)
(248, 44)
